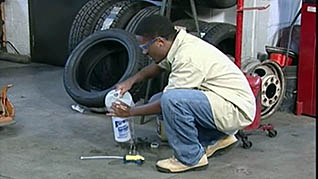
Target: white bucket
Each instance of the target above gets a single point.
(120, 125)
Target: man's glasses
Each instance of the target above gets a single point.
(145, 46)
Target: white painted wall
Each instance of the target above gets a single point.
(261, 27)
(281, 14)
(17, 25)
(227, 15)
(255, 24)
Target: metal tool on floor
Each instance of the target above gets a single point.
(128, 131)
(132, 157)
(138, 159)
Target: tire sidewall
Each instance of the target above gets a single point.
(95, 99)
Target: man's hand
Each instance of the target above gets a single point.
(124, 86)
(119, 109)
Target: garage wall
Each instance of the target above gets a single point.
(255, 24)
(227, 15)
(17, 25)
(281, 14)
(50, 22)
(49, 40)
(260, 27)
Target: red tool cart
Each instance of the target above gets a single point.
(254, 81)
(307, 69)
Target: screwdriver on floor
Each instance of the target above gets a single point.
(138, 159)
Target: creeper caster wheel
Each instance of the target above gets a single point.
(272, 133)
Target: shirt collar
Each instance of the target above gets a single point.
(176, 44)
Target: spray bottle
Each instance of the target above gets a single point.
(120, 125)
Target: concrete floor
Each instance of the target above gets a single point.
(49, 137)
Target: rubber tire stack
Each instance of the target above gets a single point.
(217, 4)
(95, 13)
(221, 35)
(98, 63)
(87, 84)
(85, 21)
(102, 55)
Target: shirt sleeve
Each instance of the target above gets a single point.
(164, 64)
(184, 75)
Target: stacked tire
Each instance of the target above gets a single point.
(102, 53)
(220, 4)
(98, 15)
(98, 63)
(215, 4)
(103, 50)
(221, 35)
(85, 21)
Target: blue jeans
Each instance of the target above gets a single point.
(189, 123)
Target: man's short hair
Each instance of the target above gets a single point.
(155, 26)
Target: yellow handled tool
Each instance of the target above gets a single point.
(138, 159)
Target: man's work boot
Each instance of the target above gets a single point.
(5, 121)
(172, 165)
(220, 144)
(6, 108)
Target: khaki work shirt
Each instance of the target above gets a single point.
(195, 64)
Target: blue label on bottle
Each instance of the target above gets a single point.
(119, 123)
(122, 127)
(123, 131)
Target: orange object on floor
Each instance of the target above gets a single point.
(7, 109)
